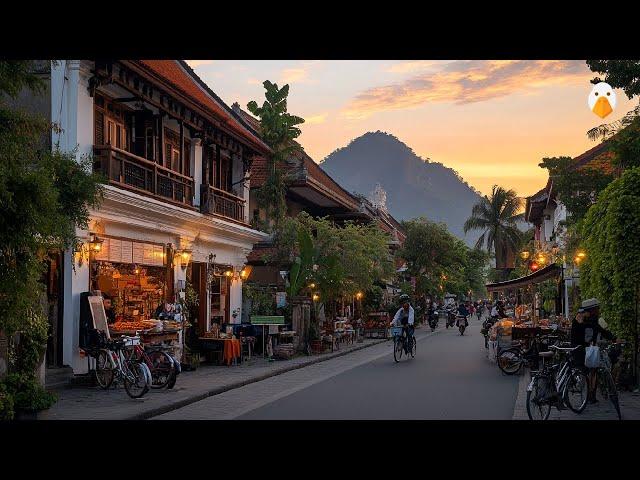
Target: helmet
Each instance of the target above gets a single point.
(404, 298)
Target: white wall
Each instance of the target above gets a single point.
(72, 111)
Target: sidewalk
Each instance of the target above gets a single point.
(93, 403)
(603, 410)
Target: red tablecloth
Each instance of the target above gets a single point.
(231, 349)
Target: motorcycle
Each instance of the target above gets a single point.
(433, 320)
(462, 323)
(451, 318)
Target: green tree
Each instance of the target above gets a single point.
(439, 261)
(45, 195)
(348, 259)
(623, 134)
(279, 131)
(497, 216)
(577, 189)
(624, 74)
(611, 237)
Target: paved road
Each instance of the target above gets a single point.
(450, 378)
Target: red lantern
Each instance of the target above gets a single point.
(534, 266)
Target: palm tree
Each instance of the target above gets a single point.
(497, 215)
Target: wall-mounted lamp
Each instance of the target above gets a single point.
(185, 257)
(315, 297)
(245, 272)
(136, 269)
(81, 253)
(95, 243)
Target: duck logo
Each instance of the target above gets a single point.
(602, 99)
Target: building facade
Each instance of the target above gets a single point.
(176, 162)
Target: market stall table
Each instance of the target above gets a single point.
(231, 348)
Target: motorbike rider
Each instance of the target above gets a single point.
(463, 312)
(405, 317)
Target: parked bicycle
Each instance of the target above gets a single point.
(561, 385)
(605, 381)
(163, 367)
(401, 343)
(113, 365)
(511, 360)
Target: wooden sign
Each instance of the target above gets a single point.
(98, 314)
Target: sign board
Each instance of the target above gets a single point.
(267, 320)
(118, 250)
(281, 299)
(99, 315)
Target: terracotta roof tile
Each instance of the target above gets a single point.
(181, 77)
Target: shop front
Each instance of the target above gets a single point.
(528, 318)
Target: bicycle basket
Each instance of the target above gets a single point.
(131, 341)
(396, 331)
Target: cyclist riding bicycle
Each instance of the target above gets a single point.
(404, 317)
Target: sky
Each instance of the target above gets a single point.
(491, 121)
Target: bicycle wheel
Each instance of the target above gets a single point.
(576, 391)
(397, 348)
(104, 371)
(161, 368)
(509, 361)
(612, 392)
(137, 379)
(538, 406)
(413, 347)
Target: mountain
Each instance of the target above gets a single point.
(414, 186)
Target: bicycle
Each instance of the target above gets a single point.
(163, 367)
(553, 386)
(605, 379)
(112, 364)
(511, 360)
(400, 343)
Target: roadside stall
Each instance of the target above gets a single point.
(377, 325)
(526, 322)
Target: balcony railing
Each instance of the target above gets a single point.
(219, 202)
(144, 176)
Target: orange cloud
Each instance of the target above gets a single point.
(294, 75)
(412, 66)
(467, 81)
(316, 119)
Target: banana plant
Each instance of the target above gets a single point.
(303, 264)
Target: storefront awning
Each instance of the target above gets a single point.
(550, 271)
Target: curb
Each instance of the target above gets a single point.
(520, 404)
(154, 412)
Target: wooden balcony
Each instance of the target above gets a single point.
(143, 176)
(220, 202)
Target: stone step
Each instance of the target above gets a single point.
(56, 378)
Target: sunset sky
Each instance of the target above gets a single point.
(492, 121)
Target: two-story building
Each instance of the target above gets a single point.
(548, 214)
(176, 208)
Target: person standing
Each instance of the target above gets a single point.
(586, 331)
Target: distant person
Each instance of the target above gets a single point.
(108, 308)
